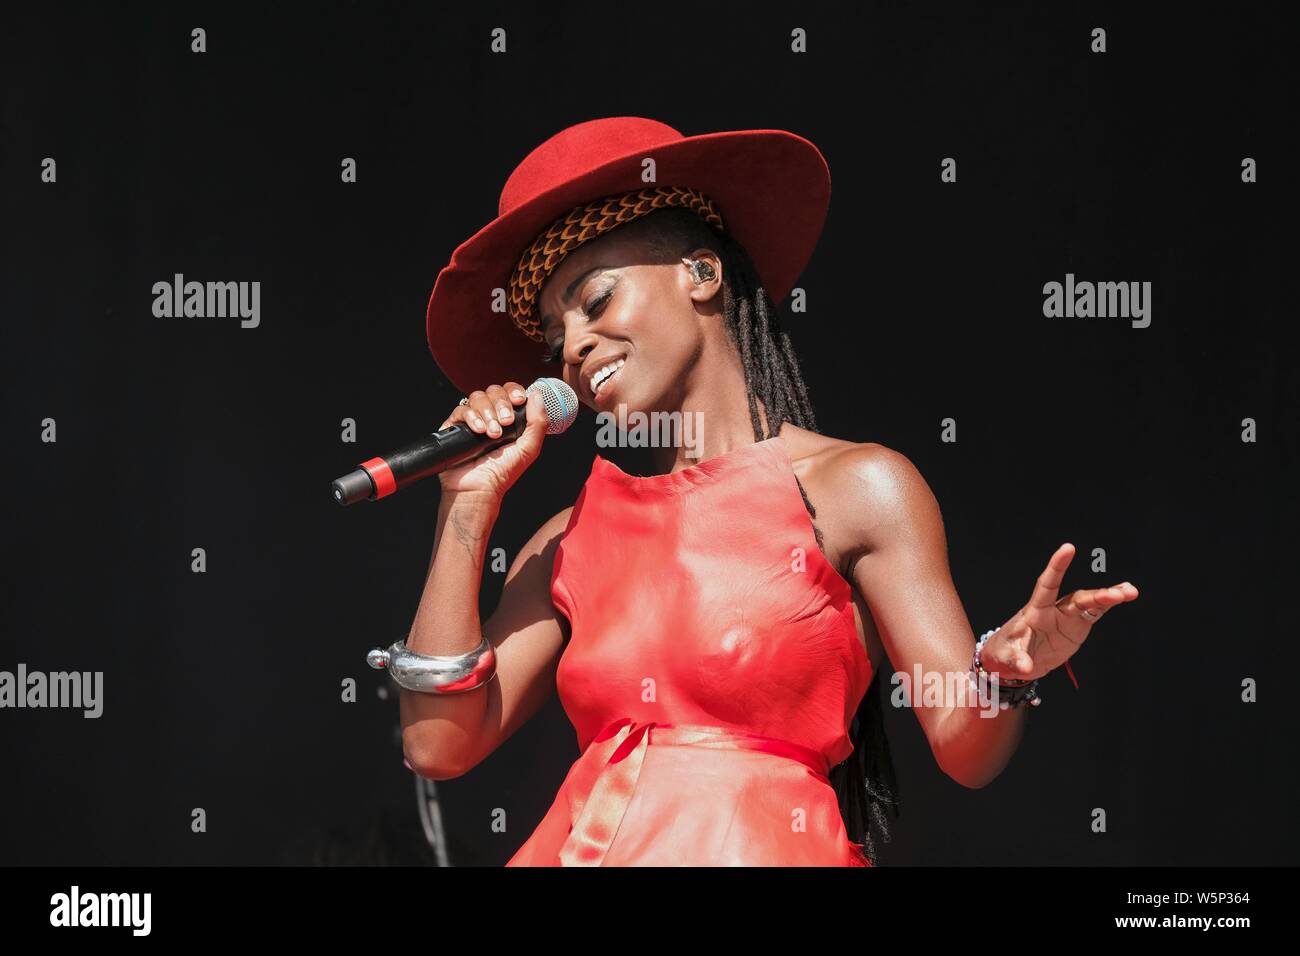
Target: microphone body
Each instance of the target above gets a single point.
(455, 444)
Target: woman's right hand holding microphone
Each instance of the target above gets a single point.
(487, 410)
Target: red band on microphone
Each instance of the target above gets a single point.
(381, 475)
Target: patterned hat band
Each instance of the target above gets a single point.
(583, 224)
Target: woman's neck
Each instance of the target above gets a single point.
(715, 417)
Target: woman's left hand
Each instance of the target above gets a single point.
(1047, 631)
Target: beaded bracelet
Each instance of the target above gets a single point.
(1021, 690)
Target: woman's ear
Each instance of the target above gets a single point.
(703, 270)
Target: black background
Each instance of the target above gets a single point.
(222, 690)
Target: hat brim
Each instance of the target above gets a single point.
(772, 188)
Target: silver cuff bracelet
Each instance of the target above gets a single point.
(428, 674)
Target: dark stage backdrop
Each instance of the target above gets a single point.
(222, 689)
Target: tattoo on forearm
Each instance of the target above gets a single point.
(471, 540)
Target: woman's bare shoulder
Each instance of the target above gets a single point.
(547, 537)
(874, 482)
(826, 458)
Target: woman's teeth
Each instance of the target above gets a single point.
(604, 375)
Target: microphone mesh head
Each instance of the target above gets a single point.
(561, 403)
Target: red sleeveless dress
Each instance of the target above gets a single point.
(712, 672)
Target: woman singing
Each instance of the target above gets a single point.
(712, 629)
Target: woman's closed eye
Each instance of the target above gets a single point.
(555, 349)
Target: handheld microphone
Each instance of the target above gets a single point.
(455, 444)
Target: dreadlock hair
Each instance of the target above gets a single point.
(865, 783)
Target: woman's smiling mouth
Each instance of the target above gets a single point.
(600, 382)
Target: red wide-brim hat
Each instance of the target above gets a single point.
(770, 187)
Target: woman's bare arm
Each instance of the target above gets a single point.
(444, 736)
(902, 572)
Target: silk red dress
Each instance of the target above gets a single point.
(712, 672)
